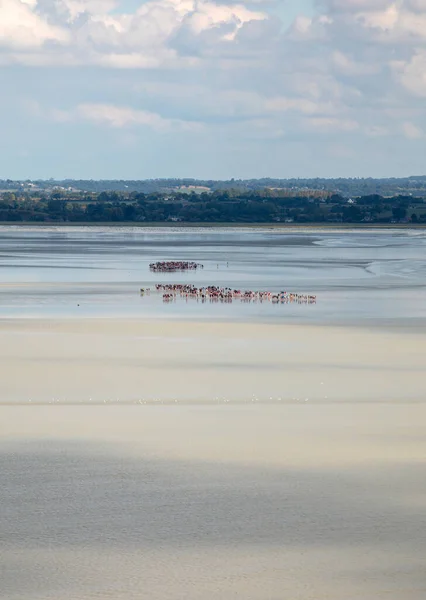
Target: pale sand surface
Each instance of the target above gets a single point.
(214, 497)
(301, 502)
(129, 360)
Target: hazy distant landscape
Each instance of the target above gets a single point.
(315, 201)
(345, 186)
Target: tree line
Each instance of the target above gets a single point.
(221, 206)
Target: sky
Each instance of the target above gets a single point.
(212, 89)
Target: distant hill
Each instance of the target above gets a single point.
(415, 185)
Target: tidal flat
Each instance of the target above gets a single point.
(212, 451)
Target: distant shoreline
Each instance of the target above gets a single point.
(189, 225)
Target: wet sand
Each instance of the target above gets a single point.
(372, 276)
(129, 360)
(308, 502)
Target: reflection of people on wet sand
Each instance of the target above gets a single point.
(225, 294)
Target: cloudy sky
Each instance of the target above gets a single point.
(212, 88)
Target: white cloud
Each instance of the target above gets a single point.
(412, 73)
(375, 131)
(93, 33)
(21, 27)
(346, 65)
(418, 6)
(411, 131)
(304, 106)
(331, 125)
(353, 67)
(356, 5)
(120, 117)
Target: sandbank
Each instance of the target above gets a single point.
(136, 361)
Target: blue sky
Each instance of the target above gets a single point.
(212, 89)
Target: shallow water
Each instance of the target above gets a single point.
(357, 276)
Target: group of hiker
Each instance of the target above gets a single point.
(213, 293)
(174, 266)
